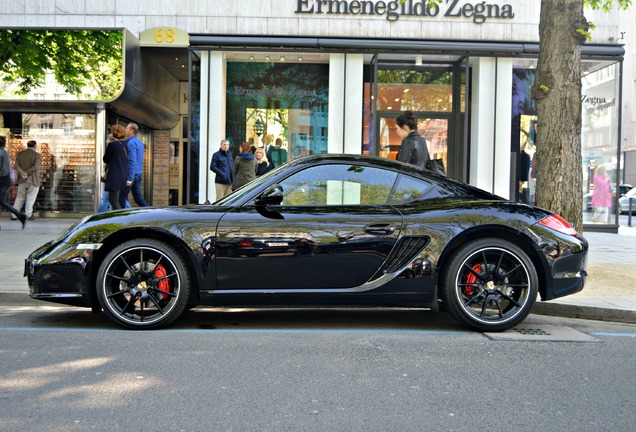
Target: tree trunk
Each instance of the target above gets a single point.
(557, 91)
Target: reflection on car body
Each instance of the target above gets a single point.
(325, 230)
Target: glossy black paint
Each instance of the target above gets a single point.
(242, 251)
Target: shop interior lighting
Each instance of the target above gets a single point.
(282, 57)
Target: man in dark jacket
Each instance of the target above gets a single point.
(413, 150)
(222, 165)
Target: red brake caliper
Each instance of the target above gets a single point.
(471, 279)
(163, 284)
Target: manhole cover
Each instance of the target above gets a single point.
(543, 333)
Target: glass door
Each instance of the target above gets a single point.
(434, 129)
(433, 92)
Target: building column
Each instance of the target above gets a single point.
(212, 131)
(346, 92)
(101, 130)
(491, 125)
(354, 93)
(337, 68)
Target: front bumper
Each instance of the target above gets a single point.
(59, 272)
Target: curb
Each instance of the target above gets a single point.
(625, 316)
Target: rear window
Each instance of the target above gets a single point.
(408, 189)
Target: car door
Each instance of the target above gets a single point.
(332, 230)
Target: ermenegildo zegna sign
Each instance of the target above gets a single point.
(479, 12)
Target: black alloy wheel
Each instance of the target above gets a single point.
(489, 285)
(143, 284)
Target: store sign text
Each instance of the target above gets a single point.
(597, 103)
(274, 92)
(479, 12)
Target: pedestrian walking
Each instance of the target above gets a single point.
(413, 149)
(27, 165)
(117, 159)
(223, 166)
(135, 167)
(5, 182)
(104, 204)
(244, 166)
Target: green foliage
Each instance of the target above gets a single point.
(606, 5)
(587, 35)
(79, 59)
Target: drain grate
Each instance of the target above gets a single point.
(544, 333)
(532, 332)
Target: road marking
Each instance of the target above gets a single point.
(66, 329)
(613, 334)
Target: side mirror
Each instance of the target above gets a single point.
(272, 196)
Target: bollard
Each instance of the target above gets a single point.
(629, 212)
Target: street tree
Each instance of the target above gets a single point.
(79, 60)
(563, 29)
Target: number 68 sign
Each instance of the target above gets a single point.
(164, 36)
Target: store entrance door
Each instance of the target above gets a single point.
(434, 91)
(433, 128)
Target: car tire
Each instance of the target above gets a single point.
(489, 285)
(143, 284)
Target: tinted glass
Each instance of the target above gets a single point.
(338, 185)
(408, 189)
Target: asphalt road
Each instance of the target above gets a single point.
(66, 369)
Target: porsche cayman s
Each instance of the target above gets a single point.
(324, 230)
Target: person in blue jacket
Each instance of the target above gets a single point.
(135, 167)
(222, 165)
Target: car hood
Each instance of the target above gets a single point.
(95, 228)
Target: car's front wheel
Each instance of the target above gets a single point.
(143, 284)
(489, 285)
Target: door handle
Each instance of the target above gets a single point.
(379, 228)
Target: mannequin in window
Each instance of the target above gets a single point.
(601, 197)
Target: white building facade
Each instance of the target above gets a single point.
(312, 76)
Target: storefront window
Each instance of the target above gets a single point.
(599, 139)
(599, 142)
(427, 92)
(279, 105)
(66, 143)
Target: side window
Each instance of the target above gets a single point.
(338, 184)
(408, 189)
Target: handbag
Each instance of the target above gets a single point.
(436, 166)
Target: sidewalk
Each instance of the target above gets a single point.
(609, 294)
(610, 290)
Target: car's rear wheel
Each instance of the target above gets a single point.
(489, 285)
(143, 284)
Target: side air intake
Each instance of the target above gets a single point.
(405, 252)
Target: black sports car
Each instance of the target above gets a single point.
(336, 230)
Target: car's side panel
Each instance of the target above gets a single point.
(303, 247)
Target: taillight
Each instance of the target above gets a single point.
(559, 224)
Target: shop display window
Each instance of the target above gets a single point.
(66, 143)
(599, 142)
(279, 105)
(599, 137)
